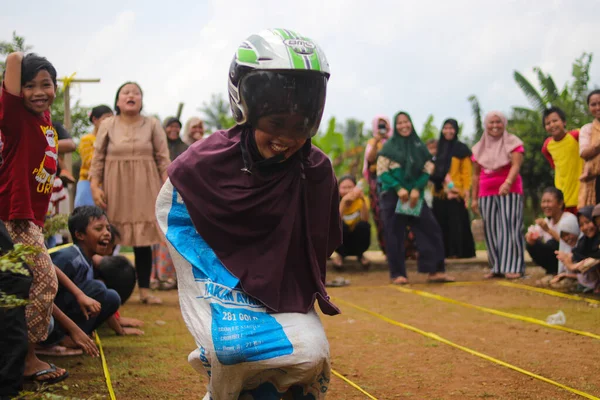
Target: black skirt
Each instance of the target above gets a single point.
(453, 217)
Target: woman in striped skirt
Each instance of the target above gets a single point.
(498, 196)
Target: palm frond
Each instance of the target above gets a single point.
(548, 86)
(530, 92)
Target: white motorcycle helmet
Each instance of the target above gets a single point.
(279, 72)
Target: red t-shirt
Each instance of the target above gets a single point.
(30, 160)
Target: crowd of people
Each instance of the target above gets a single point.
(426, 189)
(262, 188)
(76, 288)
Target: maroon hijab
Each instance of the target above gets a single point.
(272, 225)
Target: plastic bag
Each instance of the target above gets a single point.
(557, 319)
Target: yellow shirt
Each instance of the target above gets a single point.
(461, 173)
(86, 152)
(351, 215)
(568, 165)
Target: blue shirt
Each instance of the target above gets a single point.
(74, 264)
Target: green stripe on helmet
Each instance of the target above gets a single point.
(247, 56)
(282, 33)
(315, 62)
(293, 34)
(296, 59)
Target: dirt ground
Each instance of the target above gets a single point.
(387, 361)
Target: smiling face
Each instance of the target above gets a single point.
(448, 131)
(280, 134)
(550, 205)
(39, 93)
(588, 228)
(495, 126)
(129, 100)
(197, 131)
(594, 106)
(569, 238)
(96, 238)
(403, 125)
(555, 126)
(173, 130)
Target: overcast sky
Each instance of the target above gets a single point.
(424, 57)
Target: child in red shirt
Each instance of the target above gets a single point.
(27, 173)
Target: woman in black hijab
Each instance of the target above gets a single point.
(452, 180)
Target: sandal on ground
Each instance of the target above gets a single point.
(493, 275)
(58, 351)
(401, 280)
(50, 381)
(151, 300)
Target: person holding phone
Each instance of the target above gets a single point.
(382, 131)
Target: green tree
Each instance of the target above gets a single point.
(478, 121)
(346, 157)
(217, 114)
(353, 130)
(17, 43)
(429, 131)
(572, 98)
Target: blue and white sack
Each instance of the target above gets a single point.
(247, 352)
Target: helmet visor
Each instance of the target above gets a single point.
(293, 102)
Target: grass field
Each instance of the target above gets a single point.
(386, 360)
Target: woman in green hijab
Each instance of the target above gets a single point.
(403, 169)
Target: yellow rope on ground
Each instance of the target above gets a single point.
(549, 292)
(354, 385)
(111, 392)
(57, 248)
(495, 312)
(466, 349)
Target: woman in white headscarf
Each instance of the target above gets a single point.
(498, 192)
(193, 130)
